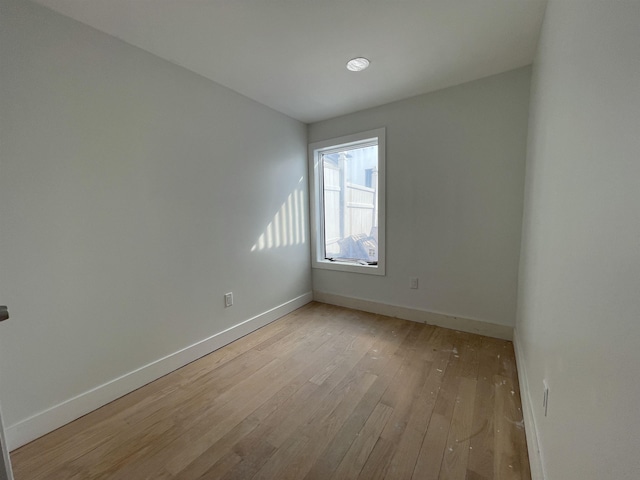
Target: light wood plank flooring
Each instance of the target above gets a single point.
(323, 393)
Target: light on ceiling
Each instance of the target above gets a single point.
(357, 64)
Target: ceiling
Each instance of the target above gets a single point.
(291, 54)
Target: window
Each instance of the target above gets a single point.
(347, 202)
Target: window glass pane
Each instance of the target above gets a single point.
(350, 204)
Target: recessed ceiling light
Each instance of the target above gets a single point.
(357, 64)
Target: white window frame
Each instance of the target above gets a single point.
(316, 177)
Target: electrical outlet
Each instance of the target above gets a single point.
(413, 282)
(545, 396)
(228, 299)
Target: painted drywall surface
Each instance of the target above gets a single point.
(455, 176)
(579, 304)
(133, 195)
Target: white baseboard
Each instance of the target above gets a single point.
(535, 457)
(48, 420)
(422, 316)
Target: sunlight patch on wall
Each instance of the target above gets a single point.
(287, 227)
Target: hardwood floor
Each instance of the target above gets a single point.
(323, 393)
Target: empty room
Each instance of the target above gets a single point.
(344, 239)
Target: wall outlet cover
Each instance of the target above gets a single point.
(228, 299)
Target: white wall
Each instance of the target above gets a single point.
(455, 176)
(579, 297)
(132, 193)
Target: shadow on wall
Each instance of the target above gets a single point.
(288, 225)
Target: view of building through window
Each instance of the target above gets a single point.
(350, 204)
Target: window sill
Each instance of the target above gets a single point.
(352, 267)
